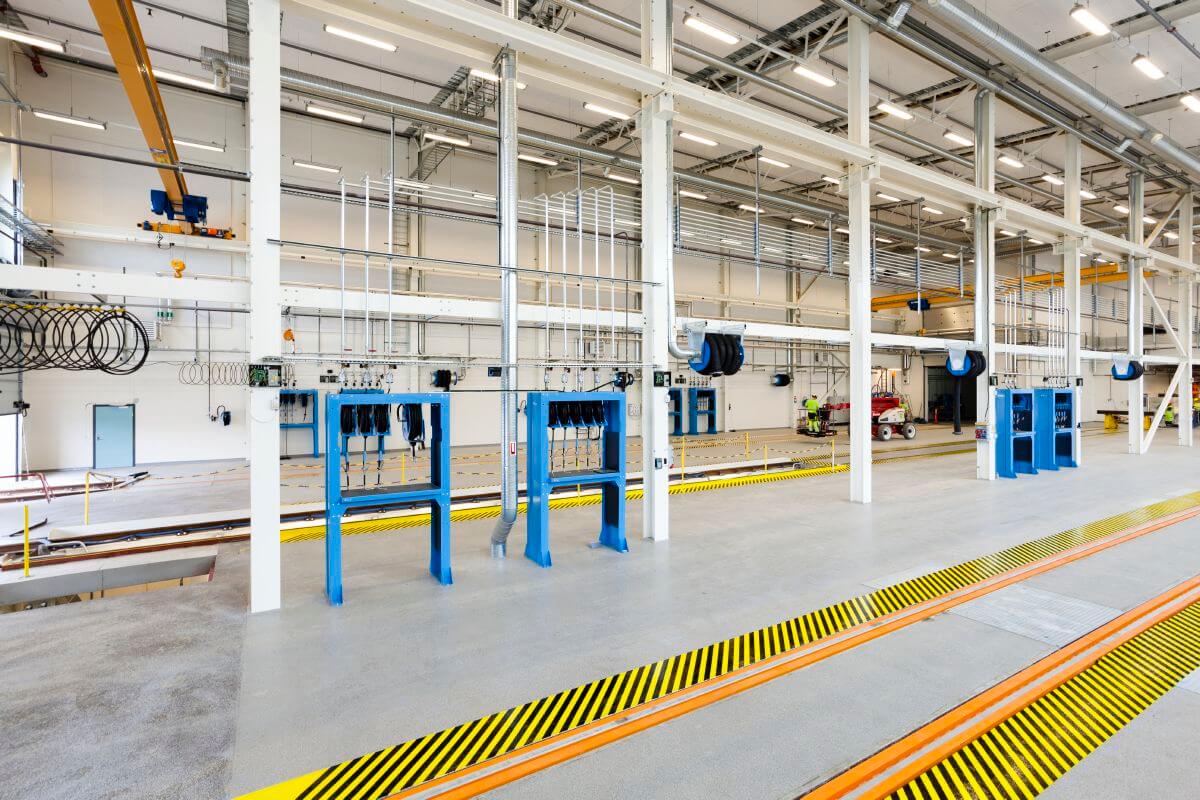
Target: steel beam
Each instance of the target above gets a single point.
(1136, 388)
(1072, 285)
(264, 336)
(985, 282)
(859, 212)
(1185, 288)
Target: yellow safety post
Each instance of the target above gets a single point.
(87, 495)
(747, 435)
(26, 541)
(764, 458)
(683, 460)
(403, 469)
(832, 454)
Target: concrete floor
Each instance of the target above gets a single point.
(180, 693)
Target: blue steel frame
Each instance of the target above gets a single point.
(1010, 463)
(675, 410)
(338, 501)
(694, 412)
(1055, 442)
(540, 481)
(312, 425)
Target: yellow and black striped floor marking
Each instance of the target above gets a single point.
(411, 763)
(1019, 758)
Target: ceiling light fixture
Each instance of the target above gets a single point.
(313, 165)
(210, 146)
(814, 76)
(956, 137)
(1149, 220)
(1191, 102)
(831, 179)
(1148, 67)
(606, 111)
(843, 230)
(1009, 161)
(1086, 195)
(1036, 241)
(331, 113)
(490, 77)
(774, 162)
(333, 30)
(532, 159)
(407, 184)
(894, 110)
(733, 242)
(40, 42)
(1007, 233)
(802, 221)
(949, 255)
(933, 210)
(692, 195)
(922, 249)
(1053, 180)
(692, 137)
(184, 80)
(446, 138)
(1084, 16)
(1120, 209)
(1172, 235)
(891, 198)
(616, 176)
(708, 29)
(745, 207)
(83, 122)
(884, 240)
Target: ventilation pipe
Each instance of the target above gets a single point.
(506, 197)
(961, 16)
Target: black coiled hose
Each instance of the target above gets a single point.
(71, 337)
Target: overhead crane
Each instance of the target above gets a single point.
(186, 213)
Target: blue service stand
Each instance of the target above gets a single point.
(1016, 433)
(1056, 428)
(339, 499)
(695, 412)
(675, 410)
(312, 424)
(548, 413)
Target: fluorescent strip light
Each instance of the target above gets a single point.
(895, 111)
(1053, 180)
(616, 176)
(184, 80)
(1086, 195)
(532, 159)
(461, 141)
(83, 122)
(211, 147)
(1036, 241)
(883, 240)
(24, 37)
(606, 111)
(407, 184)
(802, 221)
(691, 137)
(1087, 19)
(1011, 162)
(708, 29)
(949, 255)
(932, 210)
(891, 198)
(1191, 102)
(843, 230)
(831, 179)
(692, 195)
(1149, 220)
(733, 242)
(814, 76)
(1007, 233)
(921, 249)
(1148, 67)
(957, 138)
(1120, 209)
(490, 77)
(774, 162)
(1172, 235)
(491, 198)
(333, 30)
(745, 207)
(315, 166)
(344, 116)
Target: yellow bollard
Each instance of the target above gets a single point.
(403, 469)
(26, 541)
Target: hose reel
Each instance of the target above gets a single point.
(721, 354)
(1127, 369)
(963, 365)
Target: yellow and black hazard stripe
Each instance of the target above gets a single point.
(394, 769)
(1019, 758)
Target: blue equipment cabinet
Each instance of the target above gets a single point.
(708, 395)
(308, 410)
(1016, 432)
(1056, 428)
(552, 418)
(675, 410)
(368, 413)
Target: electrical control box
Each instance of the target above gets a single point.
(662, 379)
(265, 376)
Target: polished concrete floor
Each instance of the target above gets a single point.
(180, 693)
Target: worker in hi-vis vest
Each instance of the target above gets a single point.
(1195, 410)
(1169, 415)
(813, 407)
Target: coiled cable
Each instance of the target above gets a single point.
(72, 337)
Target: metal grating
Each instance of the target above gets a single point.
(1047, 617)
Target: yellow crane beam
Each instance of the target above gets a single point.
(1100, 273)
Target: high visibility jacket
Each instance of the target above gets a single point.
(1169, 414)
(812, 405)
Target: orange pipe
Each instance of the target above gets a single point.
(867, 770)
(705, 694)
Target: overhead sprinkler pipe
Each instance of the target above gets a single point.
(506, 198)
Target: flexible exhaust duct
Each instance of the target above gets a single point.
(989, 34)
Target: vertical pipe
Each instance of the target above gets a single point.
(612, 271)
(1137, 404)
(985, 284)
(546, 287)
(366, 264)
(1186, 323)
(596, 267)
(342, 254)
(859, 213)
(563, 209)
(507, 200)
(579, 242)
(391, 240)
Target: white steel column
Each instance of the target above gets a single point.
(657, 253)
(1186, 322)
(1072, 184)
(985, 284)
(859, 213)
(264, 338)
(1137, 405)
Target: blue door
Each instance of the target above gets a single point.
(112, 436)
